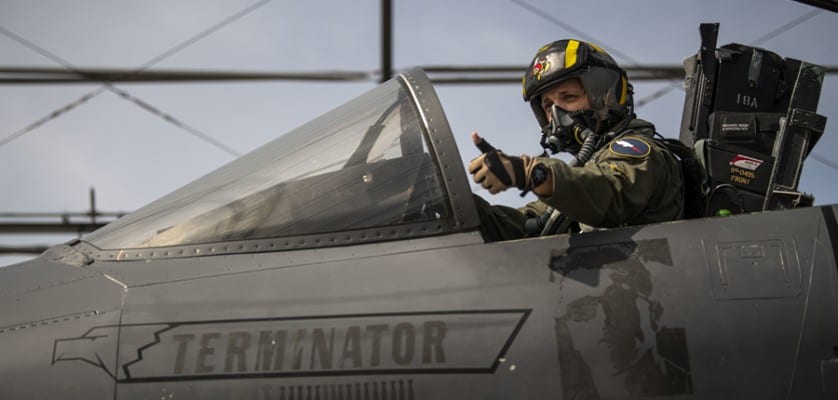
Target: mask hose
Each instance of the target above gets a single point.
(587, 149)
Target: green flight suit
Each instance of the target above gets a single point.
(630, 180)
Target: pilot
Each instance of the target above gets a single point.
(619, 175)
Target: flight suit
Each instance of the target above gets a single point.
(630, 180)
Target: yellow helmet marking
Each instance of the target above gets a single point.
(623, 93)
(570, 53)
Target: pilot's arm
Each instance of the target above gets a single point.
(619, 185)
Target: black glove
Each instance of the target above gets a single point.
(496, 171)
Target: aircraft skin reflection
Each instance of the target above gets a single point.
(647, 359)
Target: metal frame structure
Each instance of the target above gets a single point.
(29, 223)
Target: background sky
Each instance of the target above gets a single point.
(132, 157)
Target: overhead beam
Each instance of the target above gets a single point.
(441, 74)
(831, 5)
(501, 74)
(6, 250)
(39, 75)
(48, 227)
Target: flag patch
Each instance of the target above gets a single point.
(631, 147)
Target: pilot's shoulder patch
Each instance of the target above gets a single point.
(631, 146)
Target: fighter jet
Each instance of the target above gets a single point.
(343, 260)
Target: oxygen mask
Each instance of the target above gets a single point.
(567, 131)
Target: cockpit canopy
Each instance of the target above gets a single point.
(373, 162)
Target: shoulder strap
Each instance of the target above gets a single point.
(695, 177)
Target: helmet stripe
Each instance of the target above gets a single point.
(570, 53)
(623, 93)
(597, 48)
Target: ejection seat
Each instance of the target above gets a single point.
(752, 119)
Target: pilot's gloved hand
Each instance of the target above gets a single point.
(496, 171)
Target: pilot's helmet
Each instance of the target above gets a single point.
(605, 83)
